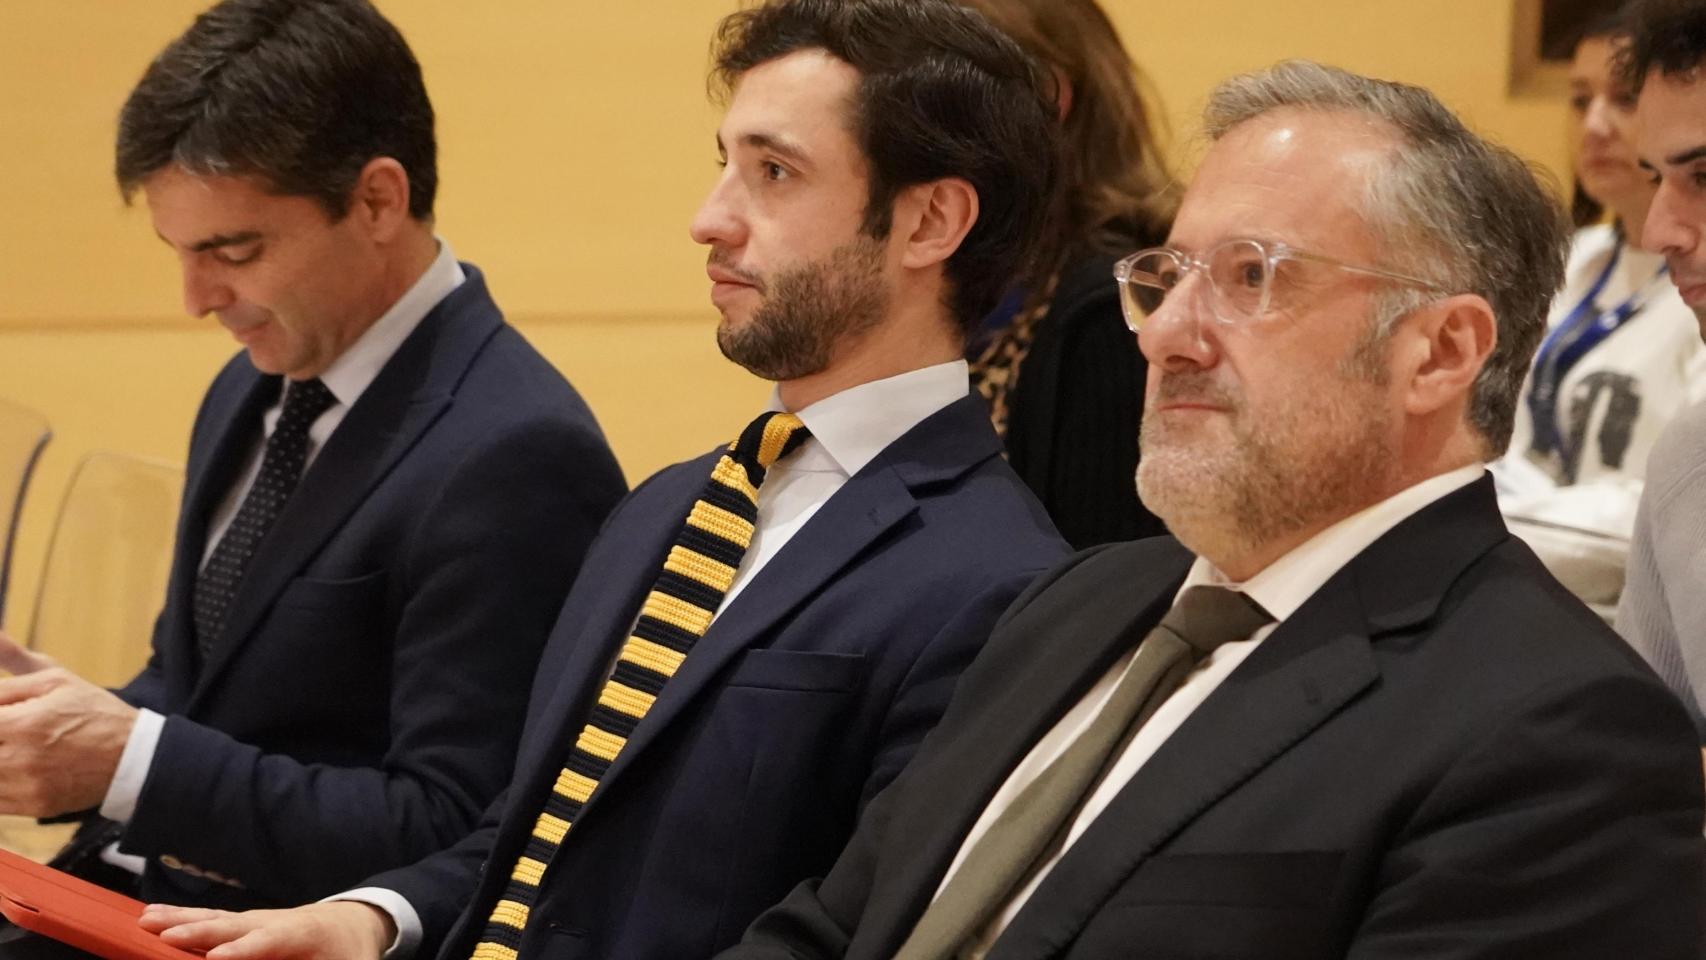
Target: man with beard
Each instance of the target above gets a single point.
(1663, 608)
(1345, 713)
(701, 740)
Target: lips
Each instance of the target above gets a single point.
(243, 330)
(1692, 290)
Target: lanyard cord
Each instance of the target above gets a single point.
(1584, 328)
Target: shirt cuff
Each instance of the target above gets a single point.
(402, 914)
(120, 802)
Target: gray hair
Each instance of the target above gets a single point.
(1448, 205)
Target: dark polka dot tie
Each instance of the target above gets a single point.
(281, 468)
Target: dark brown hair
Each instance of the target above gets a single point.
(1664, 35)
(1116, 192)
(1610, 25)
(941, 93)
(301, 94)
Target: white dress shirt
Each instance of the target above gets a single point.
(347, 379)
(1281, 589)
(848, 431)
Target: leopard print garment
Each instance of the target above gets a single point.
(995, 372)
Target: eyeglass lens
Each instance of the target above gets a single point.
(1238, 274)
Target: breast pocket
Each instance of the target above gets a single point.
(318, 663)
(800, 670)
(1232, 906)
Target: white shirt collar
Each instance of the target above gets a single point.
(355, 369)
(855, 425)
(1284, 585)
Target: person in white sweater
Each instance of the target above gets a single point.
(1621, 357)
(1663, 610)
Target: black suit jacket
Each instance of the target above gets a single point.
(807, 695)
(360, 707)
(1441, 754)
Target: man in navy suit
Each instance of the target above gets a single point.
(388, 492)
(885, 164)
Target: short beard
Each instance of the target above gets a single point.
(808, 310)
(1285, 469)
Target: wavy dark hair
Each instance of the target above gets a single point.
(1664, 35)
(942, 93)
(1116, 191)
(301, 94)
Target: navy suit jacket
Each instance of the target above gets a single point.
(804, 699)
(361, 706)
(1441, 754)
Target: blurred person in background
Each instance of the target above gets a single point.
(1621, 356)
(1056, 362)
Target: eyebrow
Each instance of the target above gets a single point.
(774, 143)
(219, 240)
(1686, 156)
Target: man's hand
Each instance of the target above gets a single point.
(60, 736)
(339, 930)
(14, 659)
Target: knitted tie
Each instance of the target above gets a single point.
(281, 468)
(698, 572)
(1036, 822)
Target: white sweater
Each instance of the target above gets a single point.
(1614, 403)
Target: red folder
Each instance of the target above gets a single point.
(73, 911)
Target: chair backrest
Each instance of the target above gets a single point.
(107, 566)
(23, 434)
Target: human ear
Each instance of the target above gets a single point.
(381, 198)
(1448, 342)
(935, 218)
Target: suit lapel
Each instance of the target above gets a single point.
(595, 635)
(940, 449)
(1316, 662)
(413, 389)
(1060, 650)
(229, 446)
(854, 518)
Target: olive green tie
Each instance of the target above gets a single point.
(1005, 856)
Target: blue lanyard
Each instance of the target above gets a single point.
(1585, 328)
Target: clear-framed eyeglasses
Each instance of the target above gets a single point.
(1240, 276)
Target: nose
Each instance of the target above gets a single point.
(1179, 334)
(1667, 229)
(719, 220)
(1597, 121)
(204, 289)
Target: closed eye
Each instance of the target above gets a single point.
(238, 255)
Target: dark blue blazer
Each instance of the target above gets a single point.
(361, 707)
(1441, 754)
(803, 700)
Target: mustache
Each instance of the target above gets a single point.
(1193, 388)
(725, 261)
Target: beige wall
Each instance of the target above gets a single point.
(575, 143)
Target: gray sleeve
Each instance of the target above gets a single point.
(1661, 598)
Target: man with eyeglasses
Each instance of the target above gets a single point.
(1345, 713)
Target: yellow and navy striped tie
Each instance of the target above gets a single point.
(700, 567)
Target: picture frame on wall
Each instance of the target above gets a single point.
(1543, 34)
